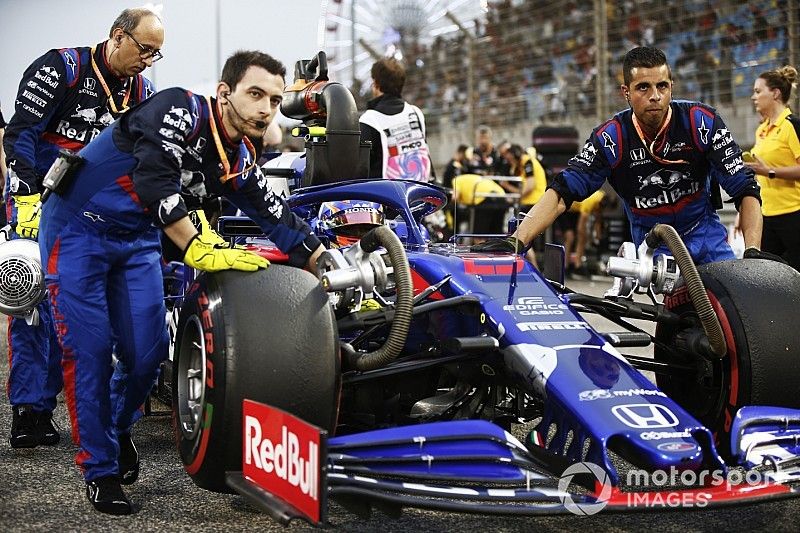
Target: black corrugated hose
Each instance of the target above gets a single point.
(403, 307)
(697, 291)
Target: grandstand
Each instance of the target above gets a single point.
(539, 62)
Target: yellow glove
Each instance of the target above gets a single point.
(204, 255)
(198, 218)
(370, 305)
(28, 215)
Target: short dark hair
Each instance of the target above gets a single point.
(237, 64)
(642, 56)
(130, 18)
(516, 151)
(390, 76)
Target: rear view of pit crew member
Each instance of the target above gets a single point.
(660, 157)
(776, 162)
(100, 244)
(65, 99)
(395, 127)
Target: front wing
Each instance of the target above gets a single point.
(473, 466)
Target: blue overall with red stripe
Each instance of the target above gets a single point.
(60, 104)
(668, 181)
(100, 247)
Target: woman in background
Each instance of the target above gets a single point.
(775, 158)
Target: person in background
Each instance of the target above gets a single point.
(456, 166)
(485, 157)
(590, 222)
(65, 99)
(659, 156)
(395, 128)
(502, 166)
(530, 170)
(776, 162)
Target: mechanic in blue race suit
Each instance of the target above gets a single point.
(661, 157)
(100, 244)
(65, 99)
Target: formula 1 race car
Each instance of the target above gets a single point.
(430, 375)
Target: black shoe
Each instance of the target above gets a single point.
(23, 427)
(48, 434)
(107, 496)
(128, 460)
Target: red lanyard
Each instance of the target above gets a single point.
(124, 107)
(226, 166)
(651, 146)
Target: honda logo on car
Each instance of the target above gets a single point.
(281, 455)
(645, 416)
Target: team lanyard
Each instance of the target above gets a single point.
(226, 166)
(124, 107)
(651, 147)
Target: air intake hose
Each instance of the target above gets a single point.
(697, 291)
(383, 236)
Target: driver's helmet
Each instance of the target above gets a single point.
(344, 222)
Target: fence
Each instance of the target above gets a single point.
(531, 62)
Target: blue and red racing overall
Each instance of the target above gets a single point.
(667, 181)
(65, 99)
(100, 243)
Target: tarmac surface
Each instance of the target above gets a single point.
(41, 490)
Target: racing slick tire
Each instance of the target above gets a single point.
(757, 303)
(268, 336)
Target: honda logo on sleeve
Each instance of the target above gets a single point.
(637, 154)
(645, 416)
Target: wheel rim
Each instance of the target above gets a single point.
(704, 396)
(191, 378)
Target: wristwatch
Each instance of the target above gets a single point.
(771, 174)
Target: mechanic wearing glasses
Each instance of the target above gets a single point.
(65, 99)
(660, 156)
(100, 243)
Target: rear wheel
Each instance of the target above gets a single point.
(757, 304)
(268, 336)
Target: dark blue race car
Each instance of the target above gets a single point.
(429, 375)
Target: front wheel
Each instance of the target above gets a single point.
(268, 336)
(757, 303)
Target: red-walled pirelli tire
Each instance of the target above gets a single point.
(269, 336)
(758, 304)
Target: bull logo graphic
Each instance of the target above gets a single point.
(106, 119)
(663, 178)
(180, 112)
(720, 133)
(50, 70)
(88, 114)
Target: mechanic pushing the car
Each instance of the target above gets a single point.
(65, 99)
(661, 157)
(100, 244)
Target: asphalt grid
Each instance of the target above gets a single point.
(41, 490)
